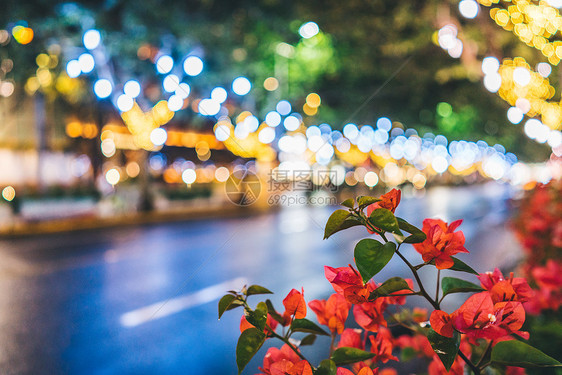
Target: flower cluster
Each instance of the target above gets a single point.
(485, 330)
(538, 227)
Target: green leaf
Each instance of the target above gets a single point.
(445, 347)
(308, 340)
(392, 285)
(224, 303)
(371, 256)
(345, 355)
(348, 223)
(256, 289)
(249, 343)
(416, 234)
(459, 266)
(384, 219)
(274, 314)
(350, 202)
(327, 367)
(364, 201)
(520, 354)
(305, 325)
(258, 317)
(453, 285)
(335, 221)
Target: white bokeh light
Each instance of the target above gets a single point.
(73, 68)
(273, 118)
(91, 39)
(175, 103)
(544, 69)
(164, 64)
(490, 65)
(158, 136)
(171, 83)
(439, 164)
(189, 176)
(308, 30)
(283, 107)
(103, 88)
(112, 176)
(132, 88)
(222, 132)
(183, 90)
(87, 63)
(492, 82)
(209, 107)
(219, 94)
(266, 135)
(514, 115)
(469, 8)
(241, 86)
(125, 103)
(521, 76)
(291, 123)
(193, 66)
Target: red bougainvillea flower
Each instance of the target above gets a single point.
(370, 315)
(381, 345)
(285, 367)
(419, 343)
(514, 288)
(347, 282)
(275, 355)
(510, 370)
(442, 323)
(389, 201)
(364, 371)
(549, 281)
(332, 313)
(441, 243)
(479, 317)
(295, 306)
(272, 323)
(351, 338)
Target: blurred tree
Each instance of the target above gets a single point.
(360, 46)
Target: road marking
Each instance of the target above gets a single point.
(172, 306)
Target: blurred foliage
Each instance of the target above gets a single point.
(362, 44)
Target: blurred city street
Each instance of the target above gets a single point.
(143, 299)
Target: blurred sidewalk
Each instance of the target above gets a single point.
(54, 216)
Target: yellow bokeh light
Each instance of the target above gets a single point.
(42, 60)
(313, 100)
(74, 129)
(9, 193)
(271, 84)
(309, 111)
(23, 35)
(132, 169)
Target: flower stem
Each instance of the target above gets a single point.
(437, 289)
(417, 277)
(474, 369)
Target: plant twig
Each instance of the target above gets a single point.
(437, 289)
(474, 369)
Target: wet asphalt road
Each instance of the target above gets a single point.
(143, 300)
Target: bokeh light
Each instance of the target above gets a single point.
(193, 66)
(241, 86)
